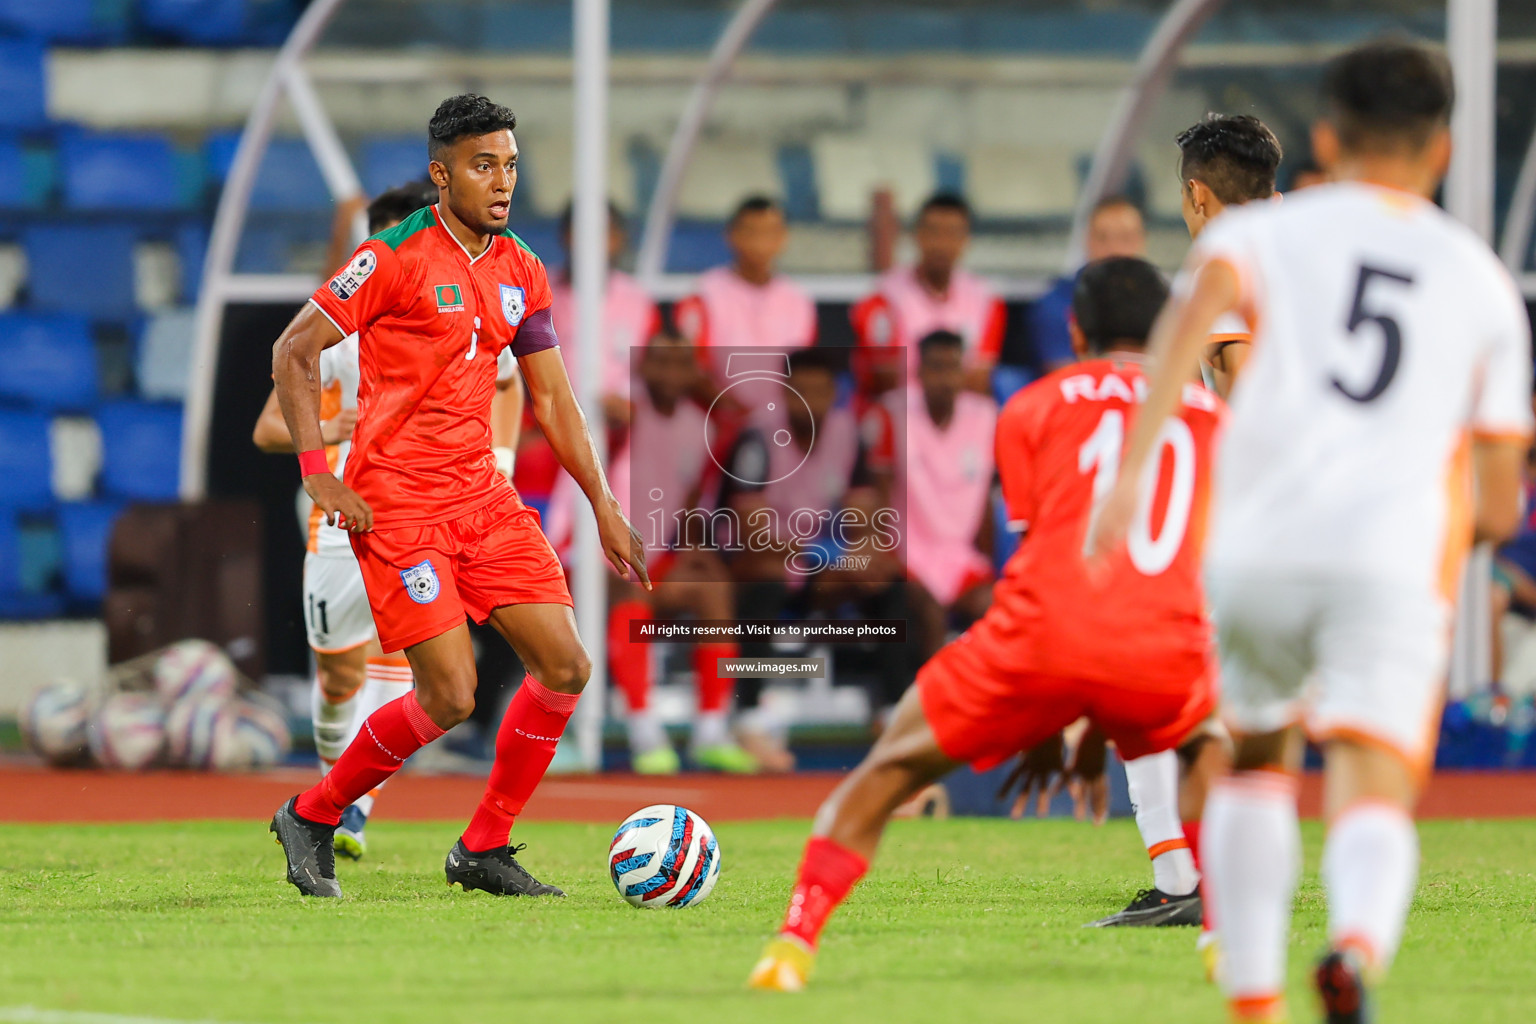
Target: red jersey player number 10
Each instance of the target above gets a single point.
(1150, 553)
(1059, 445)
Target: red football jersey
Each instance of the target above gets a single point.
(1142, 621)
(431, 322)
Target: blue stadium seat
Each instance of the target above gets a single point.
(48, 361)
(81, 269)
(17, 601)
(94, 22)
(23, 88)
(191, 250)
(197, 21)
(13, 175)
(141, 450)
(85, 531)
(798, 172)
(387, 162)
(288, 180)
(1006, 379)
(110, 172)
(697, 247)
(26, 461)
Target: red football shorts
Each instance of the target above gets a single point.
(423, 580)
(984, 716)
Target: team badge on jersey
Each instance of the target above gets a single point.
(450, 298)
(513, 303)
(346, 283)
(421, 582)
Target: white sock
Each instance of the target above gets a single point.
(645, 732)
(1252, 844)
(710, 729)
(1154, 786)
(336, 722)
(1370, 867)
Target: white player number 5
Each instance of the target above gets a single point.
(1100, 454)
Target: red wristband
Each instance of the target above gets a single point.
(313, 462)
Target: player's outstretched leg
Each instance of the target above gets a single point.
(387, 677)
(544, 636)
(848, 826)
(1174, 898)
(1252, 861)
(1370, 867)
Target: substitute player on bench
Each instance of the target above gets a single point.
(438, 531)
(1130, 648)
(1391, 359)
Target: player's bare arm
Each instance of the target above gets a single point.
(563, 423)
(507, 423)
(271, 432)
(1498, 468)
(296, 377)
(1177, 341)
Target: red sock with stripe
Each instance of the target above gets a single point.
(629, 662)
(828, 873)
(525, 744)
(389, 736)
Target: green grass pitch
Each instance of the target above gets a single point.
(965, 920)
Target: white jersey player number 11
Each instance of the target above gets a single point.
(1100, 454)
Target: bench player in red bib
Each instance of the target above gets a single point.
(439, 533)
(1129, 646)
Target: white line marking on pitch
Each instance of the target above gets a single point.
(32, 1015)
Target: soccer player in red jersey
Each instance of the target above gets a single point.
(1128, 645)
(438, 531)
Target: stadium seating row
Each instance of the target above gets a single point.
(138, 459)
(830, 178)
(53, 552)
(68, 548)
(544, 25)
(116, 22)
(50, 362)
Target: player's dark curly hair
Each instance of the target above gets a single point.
(1234, 155)
(396, 204)
(464, 117)
(1388, 95)
(1117, 300)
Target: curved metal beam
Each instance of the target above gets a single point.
(1522, 212)
(1154, 68)
(657, 236)
(228, 223)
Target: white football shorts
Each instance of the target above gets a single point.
(1348, 658)
(336, 612)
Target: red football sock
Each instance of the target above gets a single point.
(525, 745)
(1192, 833)
(629, 662)
(714, 690)
(828, 873)
(389, 736)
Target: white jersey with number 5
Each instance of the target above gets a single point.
(1386, 336)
